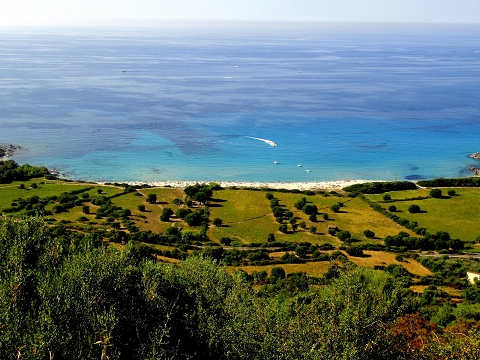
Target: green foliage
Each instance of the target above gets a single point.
(151, 198)
(182, 212)
(300, 203)
(344, 235)
(455, 182)
(135, 308)
(451, 192)
(413, 209)
(335, 208)
(11, 171)
(436, 193)
(381, 187)
(354, 250)
(369, 234)
(277, 273)
(194, 218)
(392, 208)
(310, 209)
(387, 197)
(166, 213)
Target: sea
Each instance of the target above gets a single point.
(262, 103)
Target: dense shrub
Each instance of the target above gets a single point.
(436, 193)
(381, 187)
(369, 234)
(413, 209)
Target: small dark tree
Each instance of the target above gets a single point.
(166, 213)
(152, 198)
(271, 238)
(269, 196)
(310, 209)
(217, 222)
(226, 241)
(387, 197)
(194, 219)
(201, 197)
(369, 234)
(301, 251)
(344, 235)
(303, 224)
(182, 212)
(177, 202)
(33, 185)
(452, 193)
(392, 208)
(300, 203)
(86, 209)
(313, 229)
(277, 273)
(283, 228)
(413, 209)
(191, 190)
(335, 208)
(141, 207)
(312, 217)
(354, 251)
(436, 193)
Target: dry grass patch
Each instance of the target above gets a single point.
(455, 293)
(383, 258)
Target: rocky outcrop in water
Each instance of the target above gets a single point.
(8, 150)
(473, 169)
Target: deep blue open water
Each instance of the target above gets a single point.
(189, 105)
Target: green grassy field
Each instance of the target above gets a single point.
(247, 217)
(458, 215)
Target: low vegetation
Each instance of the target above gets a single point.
(236, 273)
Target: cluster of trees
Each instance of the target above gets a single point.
(441, 240)
(454, 182)
(11, 171)
(380, 187)
(390, 213)
(201, 193)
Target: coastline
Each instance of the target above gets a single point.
(289, 185)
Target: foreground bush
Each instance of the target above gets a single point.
(66, 296)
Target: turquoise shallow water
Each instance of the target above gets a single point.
(189, 105)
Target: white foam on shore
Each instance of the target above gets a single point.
(269, 142)
(319, 185)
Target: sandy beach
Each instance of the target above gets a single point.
(321, 185)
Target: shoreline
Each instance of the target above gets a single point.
(289, 185)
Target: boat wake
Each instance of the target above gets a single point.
(269, 142)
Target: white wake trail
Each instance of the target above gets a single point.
(269, 142)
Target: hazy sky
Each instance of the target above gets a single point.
(96, 12)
